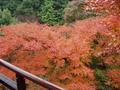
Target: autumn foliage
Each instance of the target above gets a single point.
(108, 6)
(59, 54)
(80, 56)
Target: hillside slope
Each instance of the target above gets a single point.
(60, 54)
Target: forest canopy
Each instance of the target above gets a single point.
(45, 11)
(51, 12)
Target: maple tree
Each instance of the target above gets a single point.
(64, 54)
(108, 6)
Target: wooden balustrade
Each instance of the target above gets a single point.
(21, 75)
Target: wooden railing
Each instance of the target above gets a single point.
(21, 75)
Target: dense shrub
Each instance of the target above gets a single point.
(75, 10)
(6, 17)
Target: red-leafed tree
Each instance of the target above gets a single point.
(109, 6)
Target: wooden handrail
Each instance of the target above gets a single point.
(8, 82)
(29, 76)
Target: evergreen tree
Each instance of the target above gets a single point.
(52, 11)
(47, 14)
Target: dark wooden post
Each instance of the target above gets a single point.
(20, 82)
